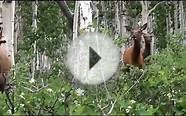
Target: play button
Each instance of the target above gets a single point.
(92, 58)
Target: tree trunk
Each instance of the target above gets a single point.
(95, 14)
(16, 33)
(117, 21)
(181, 17)
(169, 21)
(145, 13)
(34, 24)
(66, 12)
(144, 18)
(103, 9)
(175, 16)
(86, 16)
(75, 22)
(150, 29)
(123, 20)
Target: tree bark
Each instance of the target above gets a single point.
(75, 22)
(95, 13)
(117, 21)
(67, 12)
(181, 17)
(168, 20)
(86, 16)
(144, 18)
(34, 24)
(123, 21)
(175, 16)
(145, 13)
(16, 32)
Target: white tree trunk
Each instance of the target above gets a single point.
(123, 20)
(169, 22)
(145, 13)
(34, 25)
(184, 20)
(175, 16)
(75, 22)
(96, 16)
(103, 9)
(83, 17)
(86, 16)
(16, 32)
(150, 29)
(45, 62)
(181, 17)
(144, 18)
(117, 21)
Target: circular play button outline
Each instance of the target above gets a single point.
(101, 46)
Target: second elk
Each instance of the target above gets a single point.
(135, 55)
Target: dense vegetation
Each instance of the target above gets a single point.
(157, 89)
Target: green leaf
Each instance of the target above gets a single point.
(183, 102)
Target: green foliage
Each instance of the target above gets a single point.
(159, 89)
(160, 27)
(133, 8)
(119, 41)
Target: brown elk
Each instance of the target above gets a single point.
(134, 55)
(148, 39)
(5, 64)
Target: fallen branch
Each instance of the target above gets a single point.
(9, 102)
(37, 90)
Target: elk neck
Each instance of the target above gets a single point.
(147, 48)
(136, 50)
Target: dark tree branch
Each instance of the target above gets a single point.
(67, 12)
(9, 102)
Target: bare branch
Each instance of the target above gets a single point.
(9, 102)
(152, 9)
(99, 102)
(110, 111)
(66, 11)
(37, 90)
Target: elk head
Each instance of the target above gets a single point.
(137, 33)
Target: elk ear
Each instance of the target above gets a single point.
(128, 28)
(144, 27)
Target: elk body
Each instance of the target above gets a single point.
(5, 64)
(135, 55)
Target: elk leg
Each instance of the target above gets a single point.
(8, 86)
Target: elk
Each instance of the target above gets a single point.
(148, 39)
(134, 55)
(5, 63)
